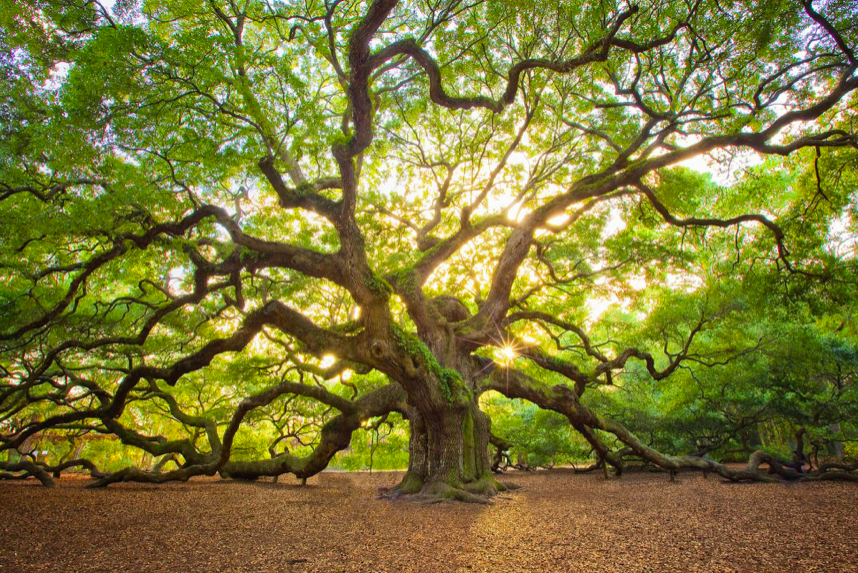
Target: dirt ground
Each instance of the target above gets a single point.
(558, 522)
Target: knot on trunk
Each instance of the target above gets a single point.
(378, 349)
(451, 308)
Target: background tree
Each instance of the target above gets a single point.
(217, 211)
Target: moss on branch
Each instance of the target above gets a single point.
(450, 382)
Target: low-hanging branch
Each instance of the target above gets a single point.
(563, 400)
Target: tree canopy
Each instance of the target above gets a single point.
(235, 232)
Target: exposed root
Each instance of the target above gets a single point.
(489, 486)
(507, 486)
(412, 488)
(486, 486)
(410, 484)
(439, 492)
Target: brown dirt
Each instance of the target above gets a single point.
(558, 522)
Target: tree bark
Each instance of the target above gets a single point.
(418, 458)
(449, 455)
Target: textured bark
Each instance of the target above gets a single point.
(501, 452)
(449, 455)
(605, 455)
(418, 458)
(446, 447)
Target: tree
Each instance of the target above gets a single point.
(396, 207)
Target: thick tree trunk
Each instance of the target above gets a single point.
(449, 456)
(445, 432)
(482, 437)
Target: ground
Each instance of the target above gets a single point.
(558, 521)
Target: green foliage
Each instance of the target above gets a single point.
(382, 449)
(542, 437)
(117, 123)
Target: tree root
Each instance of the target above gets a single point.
(412, 488)
(410, 484)
(440, 492)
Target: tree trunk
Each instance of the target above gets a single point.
(448, 447)
(449, 455)
(418, 455)
(446, 435)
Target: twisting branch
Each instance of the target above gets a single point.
(598, 52)
(832, 31)
(662, 210)
(306, 196)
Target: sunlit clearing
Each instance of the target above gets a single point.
(259, 345)
(637, 283)
(328, 360)
(528, 337)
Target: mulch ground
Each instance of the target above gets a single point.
(558, 522)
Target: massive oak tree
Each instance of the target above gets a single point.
(215, 209)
